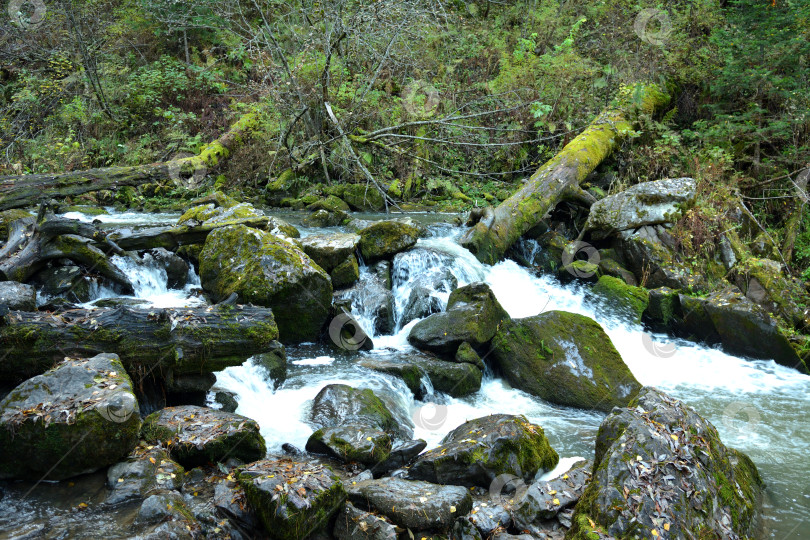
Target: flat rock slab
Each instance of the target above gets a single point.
(198, 435)
(76, 418)
(478, 451)
(292, 498)
(412, 504)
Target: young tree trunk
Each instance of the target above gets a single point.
(559, 178)
(31, 189)
(149, 341)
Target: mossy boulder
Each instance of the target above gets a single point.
(341, 404)
(648, 203)
(146, 470)
(564, 358)
(330, 203)
(658, 461)
(199, 435)
(76, 418)
(467, 355)
(279, 227)
(629, 301)
(473, 315)
(267, 271)
(384, 239)
(478, 451)
(325, 218)
(373, 296)
(650, 254)
(9, 216)
(18, 296)
(363, 197)
(210, 214)
(764, 283)
(351, 443)
(84, 209)
(419, 506)
(346, 273)
(663, 309)
(330, 250)
(292, 498)
(275, 362)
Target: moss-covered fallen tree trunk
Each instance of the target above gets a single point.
(31, 189)
(559, 178)
(150, 342)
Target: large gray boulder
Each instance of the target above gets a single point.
(478, 451)
(17, 296)
(564, 358)
(659, 462)
(76, 418)
(265, 270)
(650, 253)
(473, 315)
(385, 239)
(648, 203)
(456, 379)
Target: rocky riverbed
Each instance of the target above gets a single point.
(355, 376)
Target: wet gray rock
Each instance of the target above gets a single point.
(227, 400)
(650, 252)
(467, 355)
(329, 250)
(325, 218)
(463, 529)
(17, 296)
(144, 471)
(352, 523)
(69, 281)
(473, 314)
(373, 296)
(164, 506)
(488, 518)
(82, 408)
(200, 435)
(412, 504)
(659, 462)
(176, 268)
(421, 303)
(478, 451)
(384, 239)
(544, 500)
(292, 498)
(230, 499)
(453, 378)
(648, 203)
(340, 404)
(402, 453)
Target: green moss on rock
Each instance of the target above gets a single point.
(622, 297)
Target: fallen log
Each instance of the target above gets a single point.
(162, 342)
(32, 243)
(559, 178)
(31, 189)
(172, 238)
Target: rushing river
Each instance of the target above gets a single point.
(758, 407)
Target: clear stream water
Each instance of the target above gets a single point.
(758, 407)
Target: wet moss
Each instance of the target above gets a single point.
(626, 298)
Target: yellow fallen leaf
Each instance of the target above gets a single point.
(552, 492)
(452, 509)
(654, 533)
(368, 438)
(82, 505)
(152, 460)
(565, 477)
(120, 480)
(666, 526)
(556, 501)
(674, 436)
